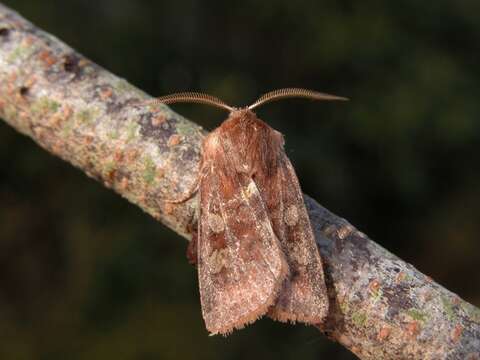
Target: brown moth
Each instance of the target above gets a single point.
(256, 252)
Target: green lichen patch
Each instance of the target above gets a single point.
(359, 318)
(149, 170)
(377, 296)
(84, 117)
(132, 130)
(375, 292)
(109, 167)
(344, 307)
(10, 111)
(114, 134)
(88, 70)
(122, 86)
(68, 127)
(417, 315)
(448, 308)
(45, 105)
(157, 108)
(472, 311)
(21, 52)
(186, 128)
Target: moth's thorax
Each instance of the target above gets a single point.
(247, 143)
(236, 127)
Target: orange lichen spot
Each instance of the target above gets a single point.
(400, 277)
(29, 40)
(356, 349)
(55, 120)
(345, 231)
(47, 58)
(30, 81)
(57, 146)
(83, 62)
(174, 140)
(168, 207)
(110, 175)
(160, 173)
(118, 155)
(384, 333)
(159, 119)
(457, 332)
(413, 328)
(374, 286)
(131, 154)
(67, 111)
(106, 93)
(88, 140)
(123, 185)
(39, 131)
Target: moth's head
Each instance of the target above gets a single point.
(241, 113)
(245, 112)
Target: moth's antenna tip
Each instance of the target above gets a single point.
(329, 97)
(295, 93)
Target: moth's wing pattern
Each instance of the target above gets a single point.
(241, 265)
(304, 295)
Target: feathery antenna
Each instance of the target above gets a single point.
(294, 93)
(201, 98)
(192, 97)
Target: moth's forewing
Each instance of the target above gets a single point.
(304, 295)
(241, 265)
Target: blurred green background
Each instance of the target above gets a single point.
(86, 275)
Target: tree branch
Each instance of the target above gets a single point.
(381, 307)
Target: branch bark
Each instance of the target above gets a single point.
(381, 307)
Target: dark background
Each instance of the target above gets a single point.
(86, 275)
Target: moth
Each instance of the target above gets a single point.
(256, 252)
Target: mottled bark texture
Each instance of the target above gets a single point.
(381, 307)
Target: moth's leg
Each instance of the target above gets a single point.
(192, 248)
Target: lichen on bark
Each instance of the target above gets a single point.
(381, 307)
